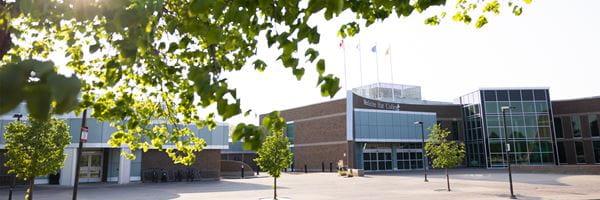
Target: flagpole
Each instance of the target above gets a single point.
(377, 64)
(360, 61)
(391, 70)
(345, 73)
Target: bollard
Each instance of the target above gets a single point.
(242, 171)
(305, 169)
(322, 167)
(330, 167)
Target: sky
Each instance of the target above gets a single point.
(553, 44)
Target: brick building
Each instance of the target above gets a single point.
(377, 128)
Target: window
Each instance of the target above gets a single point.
(515, 95)
(576, 126)
(502, 95)
(527, 95)
(489, 95)
(562, 156)
(593, 122)
(454, 130)
(289, 130)
(539, 95)
(558, 127)
(597, 151)
(579, 152)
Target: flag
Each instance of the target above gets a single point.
(374, 49)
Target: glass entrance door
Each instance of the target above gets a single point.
(377, 159)
(409, 159)
(90, 166)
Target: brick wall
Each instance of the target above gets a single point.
(208, 162)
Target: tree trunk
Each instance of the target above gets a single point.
(274, 188)
(29, 194)
(447, 179)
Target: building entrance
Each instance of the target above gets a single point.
(90, 166)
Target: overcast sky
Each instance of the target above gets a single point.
(553, 44)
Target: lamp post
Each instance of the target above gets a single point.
(82, 132)
(14, 178)
(507, 150)
(423, 149)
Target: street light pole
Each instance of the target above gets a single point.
(423, 149)
(14, 176)
(507, 150)
(81, 140)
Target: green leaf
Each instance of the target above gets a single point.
(201, 6)
(94, 48)
(12, 82)
(433, 21)
(481, 21)
(260, 65)
(321, 66)
(527, 1)
(38, 101)
(64, 92)
(312, 53)
(298, 72)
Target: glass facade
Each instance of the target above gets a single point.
(593, 123)
(528, 125)
(290, 132)
(378, 125)
(579, 152)
(576, 125)
(596, 145)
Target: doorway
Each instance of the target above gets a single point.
(90, 166)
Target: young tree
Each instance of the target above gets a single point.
(274, 154)
(37, 149)
(444, 153)
(166, 59)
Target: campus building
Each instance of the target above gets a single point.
(372, 129)
(102, 163)
(377, 128)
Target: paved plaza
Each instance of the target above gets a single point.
(466, 184)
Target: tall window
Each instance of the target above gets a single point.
(454, 130)
(576, 126)
(558, 127)
(290, 132)
(579, 152)
(597, 151)
(562, 156)
(593, 122)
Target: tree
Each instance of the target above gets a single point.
(274, 154)
(444, 153)
(36, 150)
(141, 60)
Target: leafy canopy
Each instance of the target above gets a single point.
(275, 153)
(443, 152)
(37, 149)
(141, 60)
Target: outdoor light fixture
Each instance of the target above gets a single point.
(507, 149)
(423, 149)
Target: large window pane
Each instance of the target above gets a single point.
(544, 132)
(539, 95)
(579, 152)
(562, 155)
(489, 95)
(492, 121)
(515, 95)
(541, 107)
(518, 132)
(597, 151)
(496, 146)
(543, 120)
(502, 95)
(527, 95)
(528, 106)
(576, 126)
(593, 122)
(491, 107)
(558, 127)
(518, 120)
(531, 120)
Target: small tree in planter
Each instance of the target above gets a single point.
(274, 154)
(36, 150)
(444, 153)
